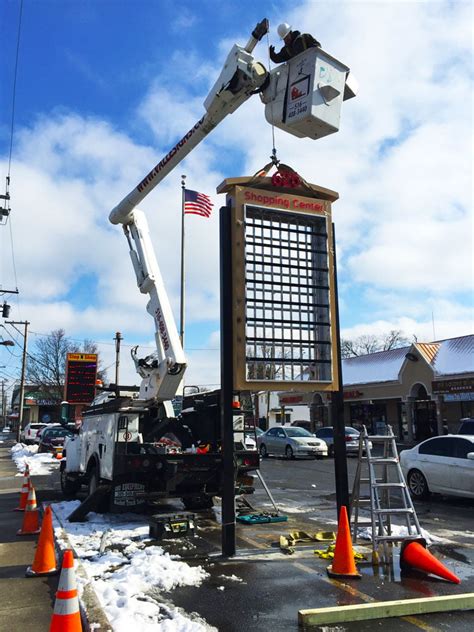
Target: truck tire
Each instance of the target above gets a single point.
(69, 487)
(93, 478)
(197, 502)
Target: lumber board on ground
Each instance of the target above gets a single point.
(385, 609)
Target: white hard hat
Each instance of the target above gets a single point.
(283, 30)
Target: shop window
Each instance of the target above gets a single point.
(280, 419)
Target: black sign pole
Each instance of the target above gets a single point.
(227, 384)
(337, 406)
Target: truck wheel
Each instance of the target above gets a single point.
(93, 479)
(102, 504)
(200, 501)
(69, 488)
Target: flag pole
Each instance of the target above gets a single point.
(181, 308)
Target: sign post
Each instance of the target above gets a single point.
(279, 317)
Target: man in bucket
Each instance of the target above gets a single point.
(295, 43)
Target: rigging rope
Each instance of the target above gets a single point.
(274, 152)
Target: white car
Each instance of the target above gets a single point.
(30, 432)
(292, 442)
(444, 465)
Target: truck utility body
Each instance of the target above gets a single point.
(142, 456)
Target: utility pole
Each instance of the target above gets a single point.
(118, 338)
(182, 296)
(3, 406)
(25, 323)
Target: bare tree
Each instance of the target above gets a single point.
(370, 343)
(46, 366)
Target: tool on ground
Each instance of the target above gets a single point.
(382, 477)
(31, 516)
(343, 564)
(25, 488)
(66, 615)
(171, 525)
(261, 518)
(45, 562)
(414, 555)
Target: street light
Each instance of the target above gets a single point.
(7, 343)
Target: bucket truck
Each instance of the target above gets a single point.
(132, 443)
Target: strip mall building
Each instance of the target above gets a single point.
(422, 390)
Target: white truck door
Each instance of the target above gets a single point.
(106, 447)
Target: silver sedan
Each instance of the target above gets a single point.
(291, 442)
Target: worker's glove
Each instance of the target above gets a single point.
(272, 49)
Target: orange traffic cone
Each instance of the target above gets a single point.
(343, 564)
(45, 556)
(25, 488)
(31, 517)
(66, 615)
(414, 554)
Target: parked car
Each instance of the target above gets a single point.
(444, 465)
(302, 423)
(351, 436)
(291, 442)
(250, 442)
(467, 426)
(52, 438)
(29, 433)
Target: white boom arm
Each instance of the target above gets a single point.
(163, 371)
(302, 97)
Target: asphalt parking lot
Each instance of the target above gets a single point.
(262, 588)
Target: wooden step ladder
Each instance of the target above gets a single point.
(379, 484)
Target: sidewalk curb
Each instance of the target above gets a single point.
(92, 614)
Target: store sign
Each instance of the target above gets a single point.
(81, 375)
(290, 399)
(352, 394)
(453, 386)
(459, 397)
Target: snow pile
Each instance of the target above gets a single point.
(128, 573)
(402, 531)
(39, 464)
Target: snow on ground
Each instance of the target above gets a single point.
(402, 531)
(130, 576)
(39, 464)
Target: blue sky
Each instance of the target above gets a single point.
(104, 90)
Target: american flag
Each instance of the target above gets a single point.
(197, 203)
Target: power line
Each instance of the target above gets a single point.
(124, 344)
(15, 74)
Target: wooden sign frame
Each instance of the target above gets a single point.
(310, 205)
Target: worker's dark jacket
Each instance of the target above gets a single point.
(299, 43)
